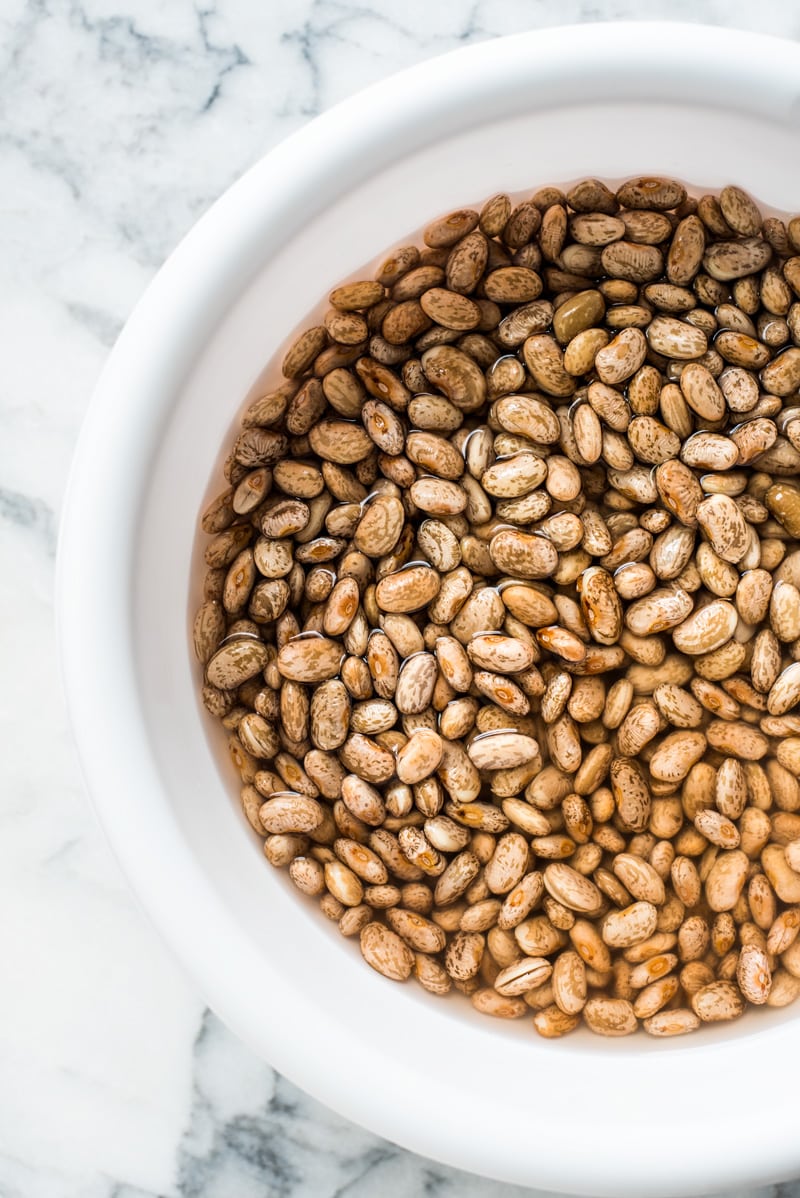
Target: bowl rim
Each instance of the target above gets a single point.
(98, 538)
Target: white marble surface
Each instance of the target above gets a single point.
(121, 121)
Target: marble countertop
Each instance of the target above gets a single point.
(122, 121)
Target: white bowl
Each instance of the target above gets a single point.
(584, 1115)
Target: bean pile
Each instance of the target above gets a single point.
(502, 611)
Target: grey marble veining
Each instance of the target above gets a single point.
(121, 121)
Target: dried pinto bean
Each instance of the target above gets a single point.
(502, 610)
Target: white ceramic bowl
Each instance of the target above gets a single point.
(585, 1115)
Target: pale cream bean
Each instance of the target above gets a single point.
(610, 1016)
(635, 923)
(717, 1002)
